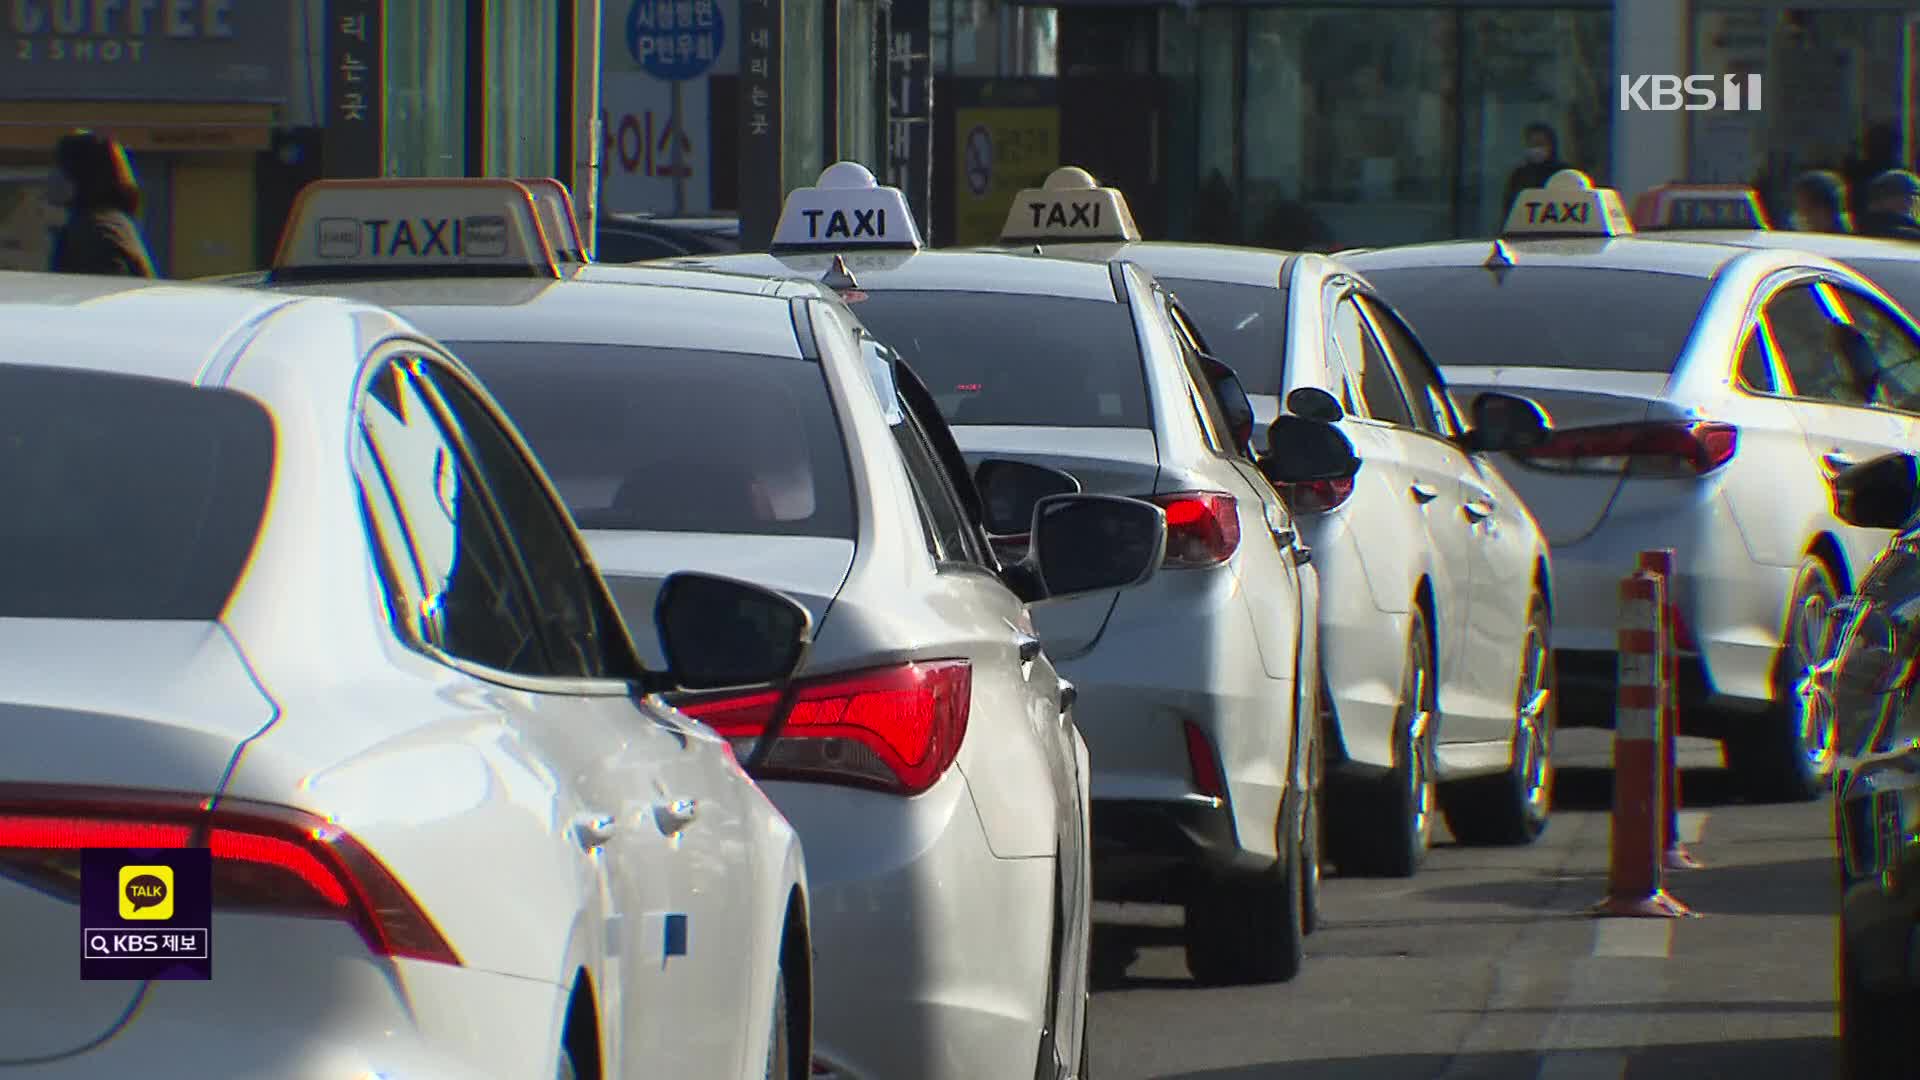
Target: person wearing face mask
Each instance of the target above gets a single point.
(1820, 203)
(1543, 160)
(93, 180)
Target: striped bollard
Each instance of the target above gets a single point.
(1636, 870)
(1674, 853)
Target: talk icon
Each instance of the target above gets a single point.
(146, 892)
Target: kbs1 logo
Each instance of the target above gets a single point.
(1692, 93)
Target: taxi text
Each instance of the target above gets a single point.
(481, 236)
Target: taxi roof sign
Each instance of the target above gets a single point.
(1070, 206)
(1569, 205)
(846, 208)
(429, 227)
(558, 217)
(1700, 206)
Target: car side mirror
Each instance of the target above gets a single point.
(1877, 494)
(1303, 451)
(1011, 490)
(1091, 543)
(1315, 404)
(1507, 422)
(1231, 393)
(719, 633)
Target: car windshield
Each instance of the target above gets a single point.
(126, 497)
(1245, 325)
(1005, 358)
(1583, 318)
(1898, 278)
(677, 440)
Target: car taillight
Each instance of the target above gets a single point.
(1316, 496)
(1206, 768)
(265, 858)
(1677, 448)
(896, 729)
(1203, 527)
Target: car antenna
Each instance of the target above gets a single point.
(838, 276)
(1499, 261)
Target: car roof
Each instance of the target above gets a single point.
(942, 271)
(1841, 246)
(131, 326)
(1223, 263)
(1631, 253)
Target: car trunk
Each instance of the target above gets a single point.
(1106, 461)
(161, 706)
(1569, 505)
(811, 569)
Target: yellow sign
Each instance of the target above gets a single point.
(999, 153)
(146, 892)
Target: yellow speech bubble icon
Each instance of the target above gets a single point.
(146, 892)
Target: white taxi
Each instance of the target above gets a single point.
(1703, 395)
(1462, 714)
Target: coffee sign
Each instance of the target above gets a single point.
(146, 50)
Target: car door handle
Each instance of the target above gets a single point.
(1069, 695)
(1837, 461)
(593, 830)
(1302, 554)
(673, 816)
(1478, 509)
(1029, 647)
(1424, 493)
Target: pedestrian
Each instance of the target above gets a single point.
(1543, 160)
(94, 181)
(1820, 203)
(1879, 151)
(1893, 201)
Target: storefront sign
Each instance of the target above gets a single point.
(762, 187)
(148, 50)
(638, 165)
(998, 153)
(675, 39)
(354, 141)
(910, 108)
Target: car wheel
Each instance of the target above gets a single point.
(779, 1040)
(1786, 754)
(1875, 1028)
(1513, 807)
(1384, 827)
(1245, 930)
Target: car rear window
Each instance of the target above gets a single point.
(1898, 278)
(677, 440)
(1581, 318)
(1245, 326)
(1006, 358)
(126, 497)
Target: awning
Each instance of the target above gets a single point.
(140, 126)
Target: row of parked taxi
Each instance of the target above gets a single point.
(754, 665)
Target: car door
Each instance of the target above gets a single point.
(1498, 574)
(670, 816)
(1811, 336)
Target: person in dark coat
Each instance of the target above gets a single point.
(1543, 160)
(94, 181)
(1820, 203)
(1892, 200)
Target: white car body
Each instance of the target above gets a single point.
(542, 824)
(1750, 526)
(951, 927)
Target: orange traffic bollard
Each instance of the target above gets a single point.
(1674, 853)
(1636, 878)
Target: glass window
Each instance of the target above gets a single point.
(1206, 407)
(1245, 326)
(1889, 346)
(1426, 395)
(1811, 339)
(1005, 358)
(126, 497)
(1546, 316)
(677, 440)
(860, 93)
(1199, 49)
(522, 86)
(1900, 278)
(1527, 68)
(803, 75)
(1350, 128)
(425, 93)
(473, 603)
(569, 604)
(948, 528)
(1756, 372)
(1364, 357)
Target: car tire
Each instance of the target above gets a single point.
(1875, 1028)
(1383, 828)
(1244, 930)
(1775, 755)
(1514, 806)
(780, 1038)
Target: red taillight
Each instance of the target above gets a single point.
(1316, 496)
(264, 858)
(1203, 527)
(897, 729)
(1678, 448)
(1206, 768)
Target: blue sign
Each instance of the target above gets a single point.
(675, 40)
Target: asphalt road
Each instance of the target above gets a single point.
(1487, 967)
